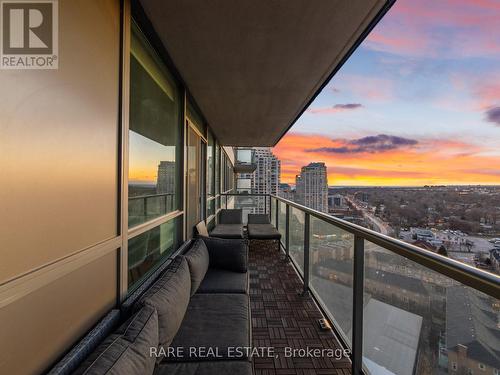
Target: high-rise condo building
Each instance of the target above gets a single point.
(166, 178)
(286, 191)
(311, 187)
(266, 177)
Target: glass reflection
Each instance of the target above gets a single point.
(154, 136)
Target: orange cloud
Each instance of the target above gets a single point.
(430, 162)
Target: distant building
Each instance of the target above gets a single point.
(286, 191)
(424, 245)
(394, 350)
(472, 340)
(336, 201)
(265, 179)
(311, 187)
(165, 183)
(422, 236)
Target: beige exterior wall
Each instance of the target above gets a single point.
(59, 190)
(58, 142)
(37, 328)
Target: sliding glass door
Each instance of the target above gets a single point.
(195, 191)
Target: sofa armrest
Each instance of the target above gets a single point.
(227, 254)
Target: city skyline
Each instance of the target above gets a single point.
(413, 106)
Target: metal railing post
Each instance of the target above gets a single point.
(145, 208)
(307, 224)
(287, 233)
(357, 301)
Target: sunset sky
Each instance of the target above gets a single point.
(418, 102)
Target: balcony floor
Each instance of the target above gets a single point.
(282, 318)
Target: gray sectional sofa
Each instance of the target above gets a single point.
(190, 317)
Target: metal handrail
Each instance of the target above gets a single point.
(479, 279)
(150, 196)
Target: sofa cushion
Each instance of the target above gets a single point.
(205, 368)
(221, 281)
(227, 231)
(231, 216)
(127, 351)
(227, 254)
(197, 258)
(219, 321)
(170, 296)
(258, 219)
(263, 232)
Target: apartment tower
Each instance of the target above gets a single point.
(312, 187)
(266, 177)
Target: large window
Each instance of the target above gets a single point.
(210, 166)
(227, 174)
(154, 159)
(210, 176)
(217, 168)
(154, 136)
(147, 249)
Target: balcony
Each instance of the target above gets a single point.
(245, 161)
(398, 308)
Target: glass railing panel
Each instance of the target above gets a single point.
(250, 204)
(244, 156)
(418, 321)
(273, 211)
(331, 272)
(282, 221)
(296, 240)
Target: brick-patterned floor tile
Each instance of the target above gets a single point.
(283, 318)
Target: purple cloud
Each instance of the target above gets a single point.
(347, 106)
(371, 144)
(336, 108)
(493, 115)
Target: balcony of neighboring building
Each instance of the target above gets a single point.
(244, 160)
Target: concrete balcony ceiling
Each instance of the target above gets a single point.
(253, 66)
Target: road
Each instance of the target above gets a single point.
(381, 225)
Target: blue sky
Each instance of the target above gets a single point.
(430, 73)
